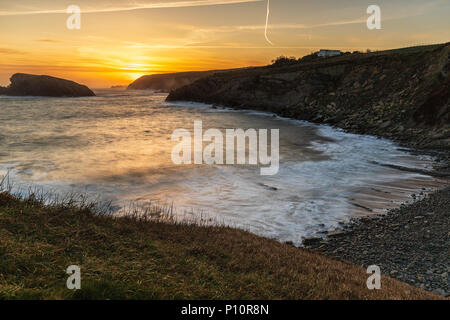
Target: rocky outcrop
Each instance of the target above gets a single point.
(400, 94)
(47, 86)
(169, 81)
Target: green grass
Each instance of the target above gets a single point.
(129, 258)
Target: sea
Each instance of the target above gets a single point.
(116, 148)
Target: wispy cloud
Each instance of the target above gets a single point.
(279, 26)
(11, 51)
(130, 7)
(48, 40)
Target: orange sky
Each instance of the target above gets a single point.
(122, 40)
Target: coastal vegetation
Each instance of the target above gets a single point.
(146, 257)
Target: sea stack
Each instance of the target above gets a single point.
(46, 86)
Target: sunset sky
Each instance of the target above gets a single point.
(122, 40)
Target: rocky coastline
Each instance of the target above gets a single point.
(410, 244)
(402, 95)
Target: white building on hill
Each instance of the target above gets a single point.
(328, 53)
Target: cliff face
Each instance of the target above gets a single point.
(169, 81)
(401, 94)
(34, 85)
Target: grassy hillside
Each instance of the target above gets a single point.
(127, 258)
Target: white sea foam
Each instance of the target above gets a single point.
(120, 148)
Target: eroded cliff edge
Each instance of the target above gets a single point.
(46, 86)
(399, 94)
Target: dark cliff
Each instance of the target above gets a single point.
(47, 86)
(401, 94)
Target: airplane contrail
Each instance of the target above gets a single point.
(267, 22)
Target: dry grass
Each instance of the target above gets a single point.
(129, 258)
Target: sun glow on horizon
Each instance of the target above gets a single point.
(115, 47)
(135, 75)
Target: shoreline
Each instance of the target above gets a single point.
(399, 273)
(410, 243)
(360, 240)
(353, 235)
(356, 237)
(402, 95)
